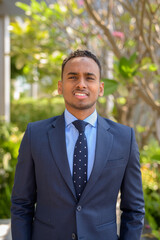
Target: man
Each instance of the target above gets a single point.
(69, 172)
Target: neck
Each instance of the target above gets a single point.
(81, 114)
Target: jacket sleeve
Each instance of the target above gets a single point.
(24, 192)
(132, 201)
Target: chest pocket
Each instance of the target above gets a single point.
(112, 163)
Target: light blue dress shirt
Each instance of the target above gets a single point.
(71, 135)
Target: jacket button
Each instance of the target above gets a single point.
(79, 208)
(73, 236)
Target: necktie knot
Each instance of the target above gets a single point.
(80, 125)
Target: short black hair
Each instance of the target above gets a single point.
(80, 53)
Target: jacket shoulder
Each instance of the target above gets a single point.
(114, 125)
(118, 129)
(43, 124)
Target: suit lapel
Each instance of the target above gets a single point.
(58, 147)
(57, 142)
(103, 149)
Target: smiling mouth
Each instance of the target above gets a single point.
(80, 95)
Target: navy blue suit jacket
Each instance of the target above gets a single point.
(44, 205)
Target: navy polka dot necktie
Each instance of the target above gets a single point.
(80, 159)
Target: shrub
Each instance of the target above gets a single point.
(28, 110)
(150, 158)
(10, 138)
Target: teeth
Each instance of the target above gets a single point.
(80, 94)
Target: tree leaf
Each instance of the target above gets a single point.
(153, 67)
(155, 157)
(128, 67)
(132, 59)
(23, 6)
(110, 86)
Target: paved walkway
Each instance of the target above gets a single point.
(5, 232)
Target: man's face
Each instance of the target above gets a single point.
(81, 85)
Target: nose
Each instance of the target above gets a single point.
(81, 84)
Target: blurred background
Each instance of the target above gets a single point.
(35, 37)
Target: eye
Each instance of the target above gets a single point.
(90, 78)
(72, 77)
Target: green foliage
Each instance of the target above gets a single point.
(121, 100)
(150, 158)
(151, 153)
(38, 44)
(146, 64)
(30, 110)
(152, 206)
(10, 138)
(140, 129)
(110, 86)
(130, 43)
(41, 40)
(126, 68)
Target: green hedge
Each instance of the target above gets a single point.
(150, 167)
(10, 138)
(30, 110)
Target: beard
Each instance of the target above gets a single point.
(81, 106)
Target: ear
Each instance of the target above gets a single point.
(101, 89)
(60, 87)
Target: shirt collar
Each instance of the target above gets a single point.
(69, 118)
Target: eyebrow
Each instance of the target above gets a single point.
(90, 74)
(72, 73)
(87, 73)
